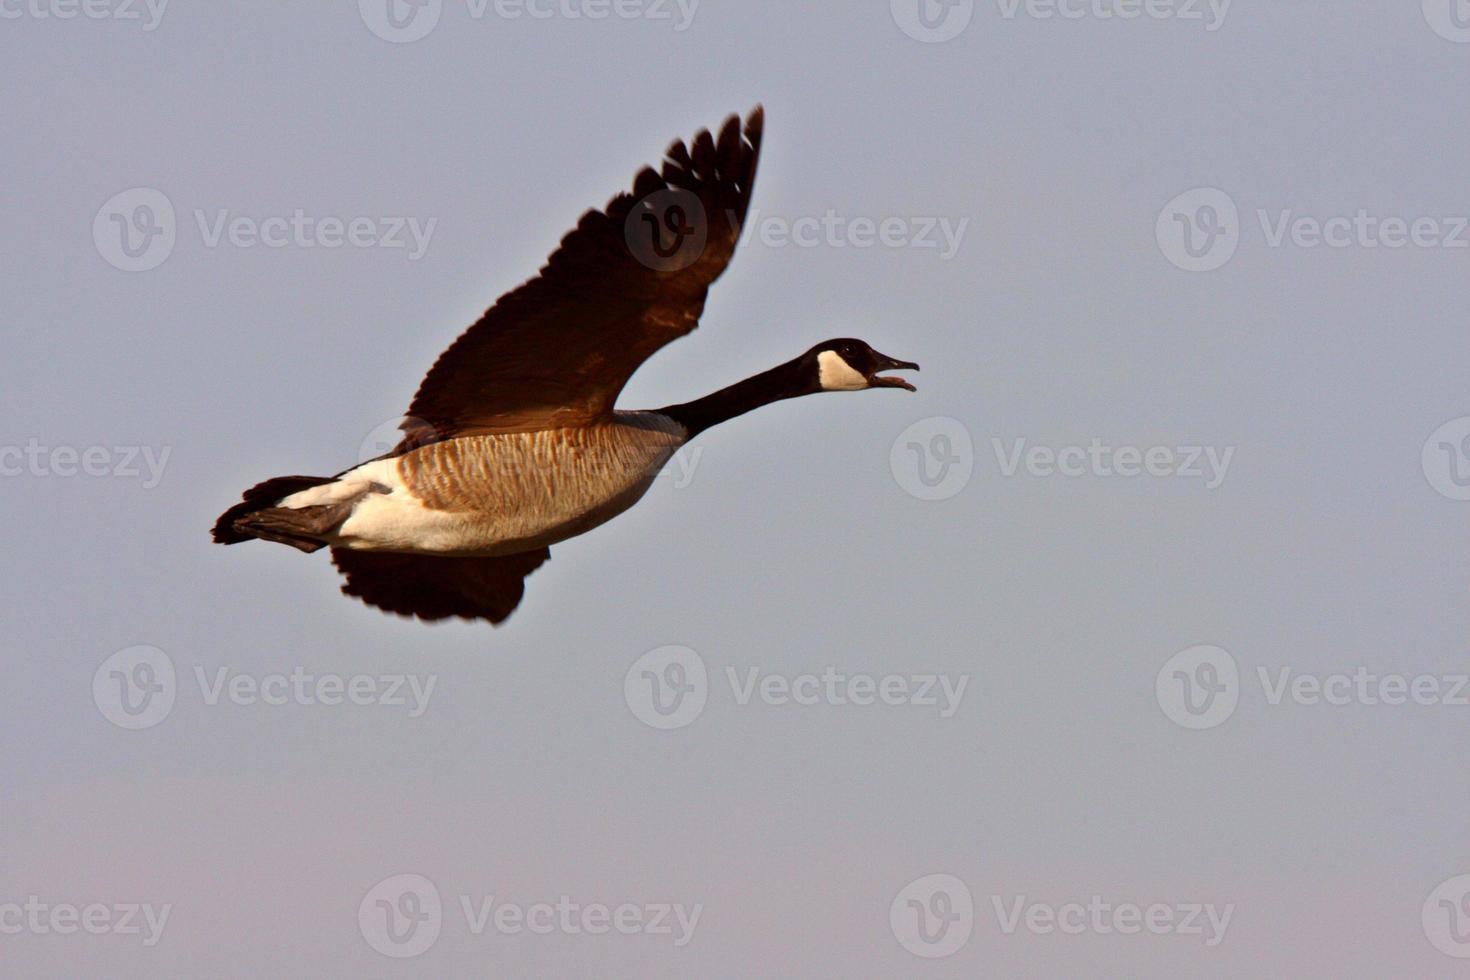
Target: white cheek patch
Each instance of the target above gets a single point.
(835, 374)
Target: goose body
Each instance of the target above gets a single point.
(498, 494)
(513, 442)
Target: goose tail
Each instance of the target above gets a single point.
(258, 515)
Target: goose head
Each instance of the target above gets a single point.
(847, 364)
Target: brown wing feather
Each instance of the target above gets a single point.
(433, 588)
(558, 349)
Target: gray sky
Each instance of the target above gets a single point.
(1324, 537)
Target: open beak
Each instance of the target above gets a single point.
(886, 363)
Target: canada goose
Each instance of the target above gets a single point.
(512, 442)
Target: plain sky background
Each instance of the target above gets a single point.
(793, 548)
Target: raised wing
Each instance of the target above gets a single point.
(627, 280)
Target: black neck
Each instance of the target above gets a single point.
(787, 380)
